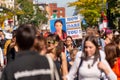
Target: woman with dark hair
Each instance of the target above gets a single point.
(40, 45)
(117, 42)
(113, 58)
(58, 26)
(55, 49)
(12, 48)
(69, 44)
(89, 65)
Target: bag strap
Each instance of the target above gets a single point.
(101, 76)
(79, 66)
(54, 73)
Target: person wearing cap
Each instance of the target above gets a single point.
(109, 36)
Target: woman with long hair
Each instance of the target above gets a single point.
(89, 65)
(113, 58)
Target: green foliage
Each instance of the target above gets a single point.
(28, 14)
(114, 7)
(90, 9)
(40, 17)
(5, 14)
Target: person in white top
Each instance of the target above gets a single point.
(1, 58)
(89, 65)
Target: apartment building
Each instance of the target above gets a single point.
(55, 12)
(7, 3)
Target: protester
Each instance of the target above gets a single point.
(94, 32)
(1, 59)
(12, 48)
(89, 64)
(40, 45)
(55, 49)
(28, 64)
(69, 44)
(109, 36)
(73, 53)
(79, 44)
(58, 26)
(117, 42)
(112, 58)
(2, 40)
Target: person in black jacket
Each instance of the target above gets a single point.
(12, 48)
(28, 64)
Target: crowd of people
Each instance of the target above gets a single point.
(30, 55)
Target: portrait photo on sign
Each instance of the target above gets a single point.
(58, 26)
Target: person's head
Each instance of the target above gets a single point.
(52, 41)
(59, 48)
(25, 36)
(45, 35)
(111, 53)
(40, 45)
(91, 47)
(69, 41)
(91, 31)
(109, 34)
(58, 25)
(73, 53)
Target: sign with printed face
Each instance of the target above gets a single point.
(73, 26)
(55, 21)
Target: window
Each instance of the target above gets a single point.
(54, 11)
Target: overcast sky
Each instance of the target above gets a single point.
(61, 3)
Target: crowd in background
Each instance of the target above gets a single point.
(94, 57)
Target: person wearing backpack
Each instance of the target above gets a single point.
(89, 65)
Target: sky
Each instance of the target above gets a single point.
(62, 3)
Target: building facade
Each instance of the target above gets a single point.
(52, 9)
(7, 3)
(55, 12)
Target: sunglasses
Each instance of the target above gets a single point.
(51, 42)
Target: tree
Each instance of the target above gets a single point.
(90, 9)
(5, 14)
(29, 15)
(113, 13)
(39, 17)
(27, 11)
